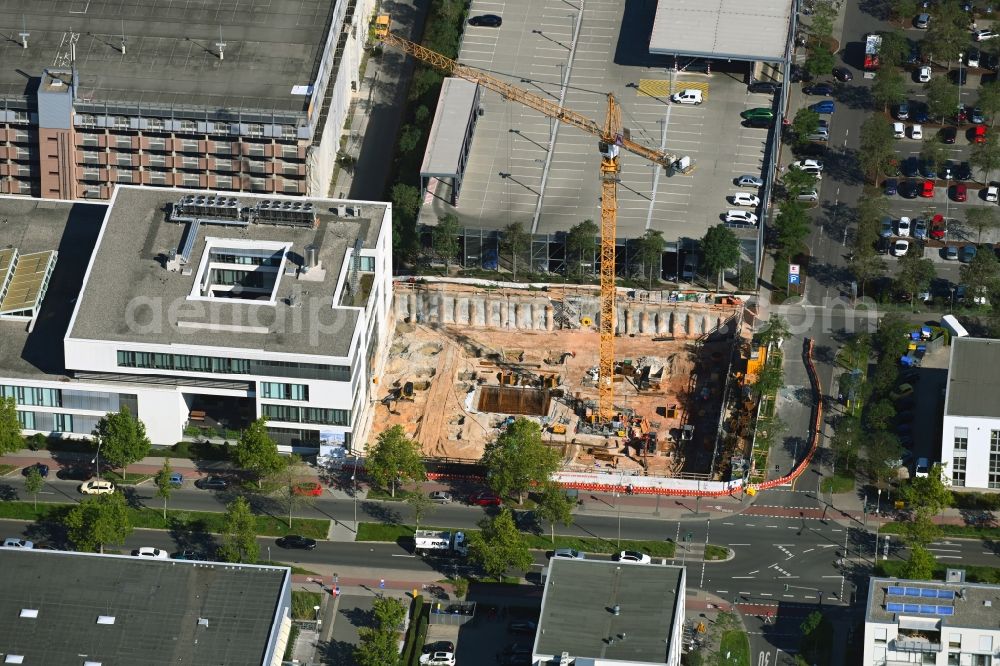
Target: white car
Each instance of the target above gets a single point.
(983, 35)
(741, 216)
(899, 130)
(633, 556)
(993, 192)
(749, 181)
(903, 227)
(689, 96)
(972, 59)
(97, 487)
(16, 542)
(917, 132)
(924, 74)
(746, 199)
(148, 551)
(807, 165)
(438, 659)
(900, 248)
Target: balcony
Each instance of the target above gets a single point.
(916, 645)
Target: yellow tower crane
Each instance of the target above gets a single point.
(610, 139)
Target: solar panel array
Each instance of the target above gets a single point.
(920, 609)
(923, 592)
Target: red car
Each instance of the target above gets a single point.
(927, 189)
(311, 489)
(979, 134)
(484, 498)
(960, 193)
(938, 228)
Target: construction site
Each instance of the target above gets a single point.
(466, 360)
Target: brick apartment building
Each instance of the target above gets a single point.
(246, 96)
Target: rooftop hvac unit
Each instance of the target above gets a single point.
(294, 213)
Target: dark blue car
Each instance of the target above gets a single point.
(826, 106)
(890, 187)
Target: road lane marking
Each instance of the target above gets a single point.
(808, 551)
(400, 555)
(738, 544)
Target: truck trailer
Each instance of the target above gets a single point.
(873, 43)
(445, 543)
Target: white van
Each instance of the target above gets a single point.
(920, 470)
(689, 96)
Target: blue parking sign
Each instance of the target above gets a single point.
(793, 279)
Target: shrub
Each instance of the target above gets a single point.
(37, 441)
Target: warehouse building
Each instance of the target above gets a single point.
(175, 95)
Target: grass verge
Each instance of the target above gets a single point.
(7, 469)
(189, 521)
(841, 483)
(713, 552)
(737, 646)
(302, 604)
(966, 531)
(380, 532)
(973, 574)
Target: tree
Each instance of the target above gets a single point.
(99, 521)
(866, 266)
(806, 122)
(821, 24)
(846, 440)
(409, 138)
(581, 244)
(820, 60)
(290, 494)
(651, 252)
(942, 97)
(989, 100)
(919, 530)
(986, 156)
(877, 146)
(499, 545)
(888, 88)
(915, 274)
(555, 507)
(394, 458)
(927, 494)
(904, 9)
(34, 483)
(880, 415)
(257, 453)
(421, 505)
(894, 49)
(121, 439)
(948, 33)
(405, 207)
(775, 331)
(892, 337)
(239, 536)
(516, 241)
(797, 181)
(982, 274)
(792, 225)
(444, 239)
(10, 427)
(920, 565)
(769, 429)
(379, 644)
(883, 451)
(720, 249)
(517, 459)
(163, 486)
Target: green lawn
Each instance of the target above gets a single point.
(302, 604)
(737, 644)
(973, 574)
(380, 532)
(842, 483)
(151, 518)
(7, 469)
(966, 531)
(713, 552)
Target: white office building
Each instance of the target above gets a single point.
(970, 432)
(198, 311)
(931, 622)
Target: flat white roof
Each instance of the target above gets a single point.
(443, 156)
(724, 29)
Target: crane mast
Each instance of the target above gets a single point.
(611, 139)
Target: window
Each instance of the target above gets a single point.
(27, 420)
(291, 414)
(881, 635)
(36, 397)
(985, 643)
(961, 439)
(279, 391)
(233, 366)
(954, 658)
(955, 640)
(958, 472)
(994, 479)
(367, 264)
(63, 423)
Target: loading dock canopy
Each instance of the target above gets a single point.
(722, 29)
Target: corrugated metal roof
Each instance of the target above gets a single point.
(443, 155)
(973, 381)
(731, 29)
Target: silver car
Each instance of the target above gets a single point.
(808, 195)
(749, 181)
(569, 554)
(440, 496)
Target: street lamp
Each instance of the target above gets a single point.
(97, 459)
(316, 608)
(877, 506)
(354, 480)
(952, 308)
(618, 506)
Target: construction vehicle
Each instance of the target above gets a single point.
(611, 138)
(434, 542)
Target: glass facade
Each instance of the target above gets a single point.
(232, 366)
(34, 397)
(292, 414)
(280, 391)
(97, 401)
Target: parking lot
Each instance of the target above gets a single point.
(513, 177)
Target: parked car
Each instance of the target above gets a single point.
(959, 192)
(927, 189)
(920, 229)
(976, 116)
(212, 483)
(484, 498)
(522, 627)
(972, 58)
(842, 74)
(154, 553)
(821, 134)
(768, 87)
(922, 21)
(807, 165)
(97, 487)
(903, 227)
(438, 646)
(486, 21)
(903, 111)
(820, 88)
(18, 542)
(928, 170)
(951, 252)
(983, 34)
(308, 489)
(440, 496)
(992, 192)
(295, 541)
(886, 228)
(899, 130)
(967, 254)
(749, 181)
(890, 186)
(687, 96)
(908, 189)
(948, 134)
(900, 248)
(633, 556)
(745, 199)
(924, 74)
(740, 217)
(808, 195)
(963, 172)
(825, 107)
(916, 132)
(901, 391)
(960, 76)
(176, 479)
(759, 112)
(979, 134)
(910, 167)
(568, 553)
(43, 469)
(438, 659)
